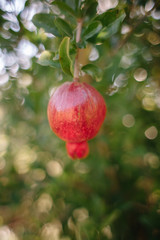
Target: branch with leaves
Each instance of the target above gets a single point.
(65, 22)
(98, 29)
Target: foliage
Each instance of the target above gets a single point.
(114, 193)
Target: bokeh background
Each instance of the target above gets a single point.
(115, 192)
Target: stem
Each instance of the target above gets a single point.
(78, 38)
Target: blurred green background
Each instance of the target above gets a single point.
(115, 192)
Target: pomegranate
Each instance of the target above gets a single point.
(76, 112)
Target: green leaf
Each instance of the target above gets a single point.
(92, 29)
(64, 8)
(64, 57)
(82, 44)
(51, 63)
(46, 59)
(46, 21)
(1, 18)
(78, 4)
(107, 17)
(111, 29)
(112, 217)
(92, 70)
(6, 43)
(91, 9)
(63, 26)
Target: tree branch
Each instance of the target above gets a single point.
(78, 38)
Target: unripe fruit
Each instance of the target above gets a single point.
(76, 112)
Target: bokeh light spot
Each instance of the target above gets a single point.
(38, 174)
(51, 231)
(25, 80)
(151, 133)
(80, 214)
(44, 203)
(120, 80)
(26, 48)
(94, 54)
(4, 142)
(140, 74)
(156, 15)
(153, 38)
(23, 159)
(4, 79)
(148, 103)
(107, 232)
(128, 120)
(125, 29)
(104, 5)
(152, 160)
(7, 234)
(149, 5)
(81, 167)
(54, 169)
(126, 61)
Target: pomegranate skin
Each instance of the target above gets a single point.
(77, 150)
(76, 112)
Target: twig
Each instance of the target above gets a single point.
(78, 38)
(125, 40)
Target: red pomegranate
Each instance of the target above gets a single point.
(76, 112)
